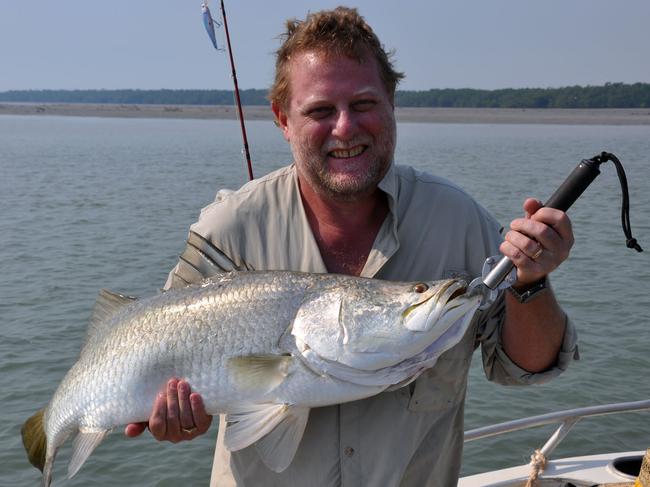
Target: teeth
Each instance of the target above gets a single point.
(345, 153)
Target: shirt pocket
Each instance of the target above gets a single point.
(441, 387)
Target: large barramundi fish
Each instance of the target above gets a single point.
(261, 347)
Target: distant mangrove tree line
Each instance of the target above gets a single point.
(611, 95)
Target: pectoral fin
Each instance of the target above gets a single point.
(260, 373)
(277, 429)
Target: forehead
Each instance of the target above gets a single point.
(317, 74)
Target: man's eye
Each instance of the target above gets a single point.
(319, 112)
(364, 105)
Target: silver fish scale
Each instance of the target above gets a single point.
(189, 333)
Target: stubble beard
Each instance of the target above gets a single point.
(344, 187)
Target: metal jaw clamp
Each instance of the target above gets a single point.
(498, 274)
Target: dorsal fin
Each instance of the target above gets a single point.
(108, 303)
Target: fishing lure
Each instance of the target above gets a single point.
(208, 22)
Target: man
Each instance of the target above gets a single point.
(344, 207)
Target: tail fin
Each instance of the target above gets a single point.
(34, 439)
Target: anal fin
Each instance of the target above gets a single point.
(82, 446)
(276, 429)
(278, 448)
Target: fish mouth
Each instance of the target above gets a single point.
(454, 296)
(444, 302)
(456, 290)
(341, 153)
(443, 295)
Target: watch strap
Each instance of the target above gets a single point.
(527, 294)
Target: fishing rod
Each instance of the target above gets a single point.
(209, 22)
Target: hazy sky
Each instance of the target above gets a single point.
(73, 44)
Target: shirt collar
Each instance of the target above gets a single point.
(387, 241)
(388, 184)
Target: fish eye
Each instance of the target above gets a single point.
(420, 287)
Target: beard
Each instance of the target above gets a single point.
(345, 185)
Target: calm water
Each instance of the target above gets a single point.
(87, 203)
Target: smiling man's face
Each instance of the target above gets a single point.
(340, 123)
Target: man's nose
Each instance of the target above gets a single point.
(345, 125)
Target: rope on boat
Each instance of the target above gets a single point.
(538, 464)
(643, 480)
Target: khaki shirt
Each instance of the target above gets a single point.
(412, 436)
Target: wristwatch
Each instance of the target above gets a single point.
(529, 292)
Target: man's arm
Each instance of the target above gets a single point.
(533, 332)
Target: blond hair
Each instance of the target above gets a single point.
(337, 32)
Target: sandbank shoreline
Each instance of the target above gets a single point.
(561, 116)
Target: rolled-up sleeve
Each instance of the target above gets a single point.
(498, 367)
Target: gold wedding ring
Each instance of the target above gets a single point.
(189, 431)
(536, 255)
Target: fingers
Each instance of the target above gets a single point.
(177, 414)
(557, 220)
(528, 269)
(173, 412)
(193, 419)
(169, 415)
(524, 244)
(548, 226)
(158, 418)
(186, 417)
(134, 429)
(538, 243)
(531, 205)
(202, 419)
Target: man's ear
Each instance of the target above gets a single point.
(280, 119)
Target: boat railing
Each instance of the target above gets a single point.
(567, 420)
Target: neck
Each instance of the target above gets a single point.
(345, 230)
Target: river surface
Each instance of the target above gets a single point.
(90, 203)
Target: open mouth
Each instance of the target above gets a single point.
(460, 290)
(443, 295)
(347, 153)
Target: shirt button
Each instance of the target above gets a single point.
(349, 451)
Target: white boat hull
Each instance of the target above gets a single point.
(580, 471)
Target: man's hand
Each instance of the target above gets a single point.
(178, 414)
(538, 243)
